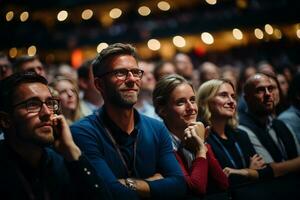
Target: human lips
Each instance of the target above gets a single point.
(45, 125)
(129, 90)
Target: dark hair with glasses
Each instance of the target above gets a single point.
(101, 61)
(8, 87)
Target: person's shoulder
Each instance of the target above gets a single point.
(85, 123)
(149, 121)
(288, 114)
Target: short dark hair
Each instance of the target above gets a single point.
(101, 61)
(21, 60)
(83, 70)
(10, 83)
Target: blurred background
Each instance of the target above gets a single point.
(226, 32)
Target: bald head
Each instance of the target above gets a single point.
(259, 94)
(250, 83)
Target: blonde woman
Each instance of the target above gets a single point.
(67, 92)
(216, 100)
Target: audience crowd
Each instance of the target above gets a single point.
(120, 127)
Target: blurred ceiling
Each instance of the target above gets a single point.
(55, 29)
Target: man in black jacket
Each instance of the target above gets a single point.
(270, 137)
(30, 168)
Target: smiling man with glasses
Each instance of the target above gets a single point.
(30, 168)
(131, 151)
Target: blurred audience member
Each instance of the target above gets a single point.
(175, 102)
(163, 68)
(283, 83)
(91, 97)
(265, 67)
(5, 66)
(291, 117)
(29, 63)
(144, 104)
(69, 98)
(230, 73)
(208, 71)
(184, 66)
(245, 73)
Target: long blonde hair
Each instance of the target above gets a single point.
(77, 114)
(205, 93)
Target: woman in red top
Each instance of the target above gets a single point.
(175, 102)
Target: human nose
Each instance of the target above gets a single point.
(190, 105)
(45, 111)
(130, 76)
(70, 93)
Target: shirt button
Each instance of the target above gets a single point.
(96, 185)
(85, 169)
(88, 172)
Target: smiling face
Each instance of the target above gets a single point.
(181, 109)
(33, 128)
(120, 93)
(223, 104)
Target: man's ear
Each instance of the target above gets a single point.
(5, 121)
(99, 84)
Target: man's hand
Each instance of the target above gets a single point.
(63, 142)
(250, 173)
(257, 162)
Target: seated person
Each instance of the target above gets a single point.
(232, 147)
(131, 151)
(29, 168)
(175, 102)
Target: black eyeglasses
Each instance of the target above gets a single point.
(35, 105)
(122, 74)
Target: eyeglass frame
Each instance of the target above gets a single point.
(114, 72)
(25, 102)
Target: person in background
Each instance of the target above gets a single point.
(163, 68)
(30, 168)
(67, 92)
(208, 71)
(283, 83)
(91, 97)
(5, 66)
(131, 151)
(245, 73)
(232, 147)
(144, 104)
(270, 137)
(5, 71)
(291, 116)
(29, 63)
(184, 66)
(175, 102)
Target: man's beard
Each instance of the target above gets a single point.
(120, 99)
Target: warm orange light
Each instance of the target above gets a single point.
(76, 58)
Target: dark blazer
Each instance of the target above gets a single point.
(59, 179)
